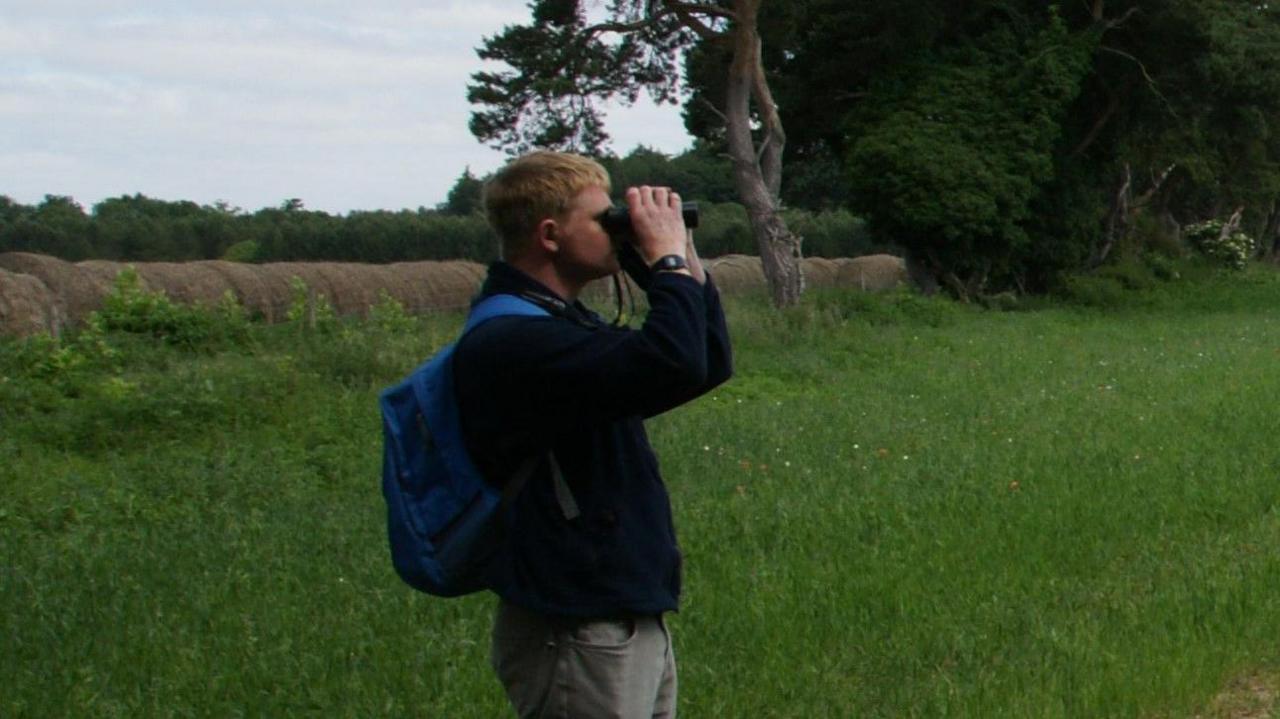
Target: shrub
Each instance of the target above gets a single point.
(831, 233)
(1093, 291)
(38, 373)
(723, 230)
(390, 316)
(242, 251)
(315, 308)
(1130, 273)
(1232, 250)
(131, 309)
(1162, 267)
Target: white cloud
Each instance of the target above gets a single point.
(347, 106)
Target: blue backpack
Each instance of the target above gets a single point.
(442, 515)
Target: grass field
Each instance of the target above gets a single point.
(898, 507)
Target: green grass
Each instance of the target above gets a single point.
(898, 507)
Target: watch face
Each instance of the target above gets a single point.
(669, 262)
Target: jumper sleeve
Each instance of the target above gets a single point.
(719, 355)
(553, 376)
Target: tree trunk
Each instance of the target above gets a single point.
(757, 174)
(1124, 212)
(1117, 220)
(1270, 240)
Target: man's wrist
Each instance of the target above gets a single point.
(669, 263)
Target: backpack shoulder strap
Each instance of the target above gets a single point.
(564, 495)
(501, 305)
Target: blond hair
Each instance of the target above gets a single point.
(534, 187)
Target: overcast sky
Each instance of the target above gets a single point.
(346, 105)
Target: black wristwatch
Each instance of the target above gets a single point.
(667, 263)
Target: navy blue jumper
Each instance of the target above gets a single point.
(574, 385)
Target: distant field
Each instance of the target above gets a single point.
(898, 507)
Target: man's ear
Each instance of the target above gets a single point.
(548, 232)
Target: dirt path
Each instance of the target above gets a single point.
(1254, 696)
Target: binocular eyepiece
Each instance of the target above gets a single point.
(617, 220)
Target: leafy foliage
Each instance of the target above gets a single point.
(466, 195)
(132, 309)
(1189, 83)
(313, 308)
(143, 229)
(1231, 249)
(558, 68)
(165, 231)
(956, 147)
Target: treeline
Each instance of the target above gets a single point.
(143, 229)
(1002, 144)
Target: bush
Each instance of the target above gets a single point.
(1234, 250)
(315, 308)
(1130, 273)
(1162, 267)
(131, 309)
(832, 233)
(38, 371)
(242, 251)
(723, 230)
(1093, 291)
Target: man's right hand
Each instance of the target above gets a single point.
(657, 222)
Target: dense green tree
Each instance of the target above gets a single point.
(58, 223)
(1187, 84)
(11, 213)
(465, 197)
(561, 64)
(954, 148)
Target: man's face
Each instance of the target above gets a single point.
(586, 252)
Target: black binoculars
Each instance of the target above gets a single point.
(617, 220)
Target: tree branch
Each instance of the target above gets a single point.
(1156, 184)
(704, 10)
(711, 106)
(689, 15)
(1151, 83)
(1113, 104)
(1112, 24)
(699, 28)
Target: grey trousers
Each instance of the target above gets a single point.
(561, 669)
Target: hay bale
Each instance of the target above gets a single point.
(106, 271)
(277, 278)
(408, 286)
(431, 285)
(186, 283)
(27, 306)
(736, 273)
(822, 271)
(386, 279)
(273, 281)
(354, 286)
(78, 291)
(246, 282)
(873, 273)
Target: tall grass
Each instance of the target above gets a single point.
(898, 507)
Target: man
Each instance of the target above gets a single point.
(590, 563)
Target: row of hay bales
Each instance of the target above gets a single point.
(46, 294)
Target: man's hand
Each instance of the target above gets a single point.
(657, 222)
